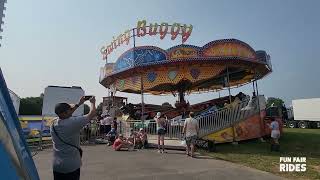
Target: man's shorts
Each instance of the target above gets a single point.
(161, 131)
(191, 140)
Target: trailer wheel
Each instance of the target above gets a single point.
(285, 124)
(303, 124)
(291, 124)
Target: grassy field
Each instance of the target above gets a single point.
(294, 143)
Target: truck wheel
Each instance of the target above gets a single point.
(303, 124)
(291, 124)
(285, 124)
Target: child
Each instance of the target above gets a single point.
(120, 144)
(111, 136)
(115, 124)
(275, 135)
(142, 138)
(133, 137)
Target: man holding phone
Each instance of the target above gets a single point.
(65, 132)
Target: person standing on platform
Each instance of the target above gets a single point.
(191, 131)
(161, 131)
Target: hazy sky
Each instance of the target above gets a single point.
(57, 42)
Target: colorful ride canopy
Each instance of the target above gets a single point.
(186, 68)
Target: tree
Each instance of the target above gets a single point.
(31, 105)
(275, 102)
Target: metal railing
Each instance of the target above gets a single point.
(173, 130)
(210, 123)
(90, 133)
(226, 117)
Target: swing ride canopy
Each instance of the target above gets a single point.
(186, 68)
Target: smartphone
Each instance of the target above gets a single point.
(87, 97)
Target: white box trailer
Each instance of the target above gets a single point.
(306, 112)
(58, 94)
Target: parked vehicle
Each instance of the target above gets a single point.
(58, 94)
(304, 113)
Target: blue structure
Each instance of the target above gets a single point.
(141, 56)
(15, 158)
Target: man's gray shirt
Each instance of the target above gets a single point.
(65, 157)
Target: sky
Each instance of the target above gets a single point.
(57, 42)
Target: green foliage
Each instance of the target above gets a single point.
(31, 106)
(275, 101)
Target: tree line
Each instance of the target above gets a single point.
(33, 105)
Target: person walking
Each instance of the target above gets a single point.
(115, 124)
(275, 135)
(191, 131)
(65, 133)
(161, 131)
(102, 128)
(108, 120)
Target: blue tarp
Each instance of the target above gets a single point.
(25, 168)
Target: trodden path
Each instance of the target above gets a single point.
(101, 162)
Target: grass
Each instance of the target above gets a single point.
(294, 143)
